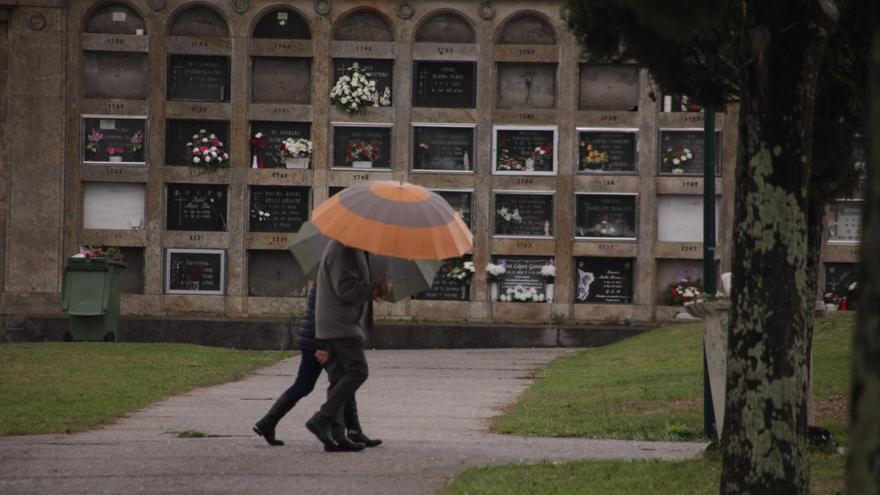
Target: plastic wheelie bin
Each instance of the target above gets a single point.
(90, 296)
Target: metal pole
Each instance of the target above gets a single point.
(708, 252)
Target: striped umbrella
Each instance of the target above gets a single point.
(408, 277)
(394, 219)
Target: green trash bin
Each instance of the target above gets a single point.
(90, 296)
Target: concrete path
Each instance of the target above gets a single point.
(430, 407)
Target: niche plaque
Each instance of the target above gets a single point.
(279, 208)
(195, 271)
(604, 280)
(447, 287)
(605, 216)
(608, 87)
(274, 274)
(267, 148)
(607, 151)
(196, 207)
(680, 218)
(522, 276)
(180, 132)
(518, 214)
(524, 150)
(526, 85)
(114, 205)
(845, 221)
(109, 139)
(682, 152)
(281, 80)
(362, 147)
(461, 202)
(839, 277)
(379, 71)
(198, 78)
(115, 75)
(447, 149)
(445, 84)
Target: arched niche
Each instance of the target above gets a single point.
(114, 18)
(363, 25)
(282, 23)
(445, 27)
(198, 21)
(527, 29)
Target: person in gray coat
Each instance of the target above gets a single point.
(343, 311)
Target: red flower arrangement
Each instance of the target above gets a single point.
(115, 150)
(361, 150)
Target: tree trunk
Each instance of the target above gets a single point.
(863, 462)
(764, 441)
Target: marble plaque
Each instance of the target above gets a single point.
(279, 208)
(682, 152)
(518, 214)
(845, 221)
(274, 274)
(200, 207)
(195, 271)
(445, 84)
(680, 218)
(606, 216)
(526, 85)
(180, 132)
(108, 139)
(462, 202)
(198, 78)
(524, 150)
(362, 147)
(281, 80)
(522, 273)
(114, 205)
(607, 151)
(115, 75)
(608, 87)
(604, 280)
(443, 148)
(380, 71)
(839, 277)
(267, 149)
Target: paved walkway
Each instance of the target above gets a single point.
(430, 407)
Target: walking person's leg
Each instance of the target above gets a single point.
(347, 375)
(306, 377)
(353, 425)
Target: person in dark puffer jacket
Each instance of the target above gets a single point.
(313, 356)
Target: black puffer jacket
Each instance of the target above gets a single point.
(306, 332)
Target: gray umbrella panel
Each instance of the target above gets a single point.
(408, 277)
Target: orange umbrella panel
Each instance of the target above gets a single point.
(394, 219)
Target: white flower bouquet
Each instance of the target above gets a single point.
(675, 158)
(296, 148)
(521, 294)
(508, 215)
(495, 272)
(353, 91)
(206, 150)
(548, 271)
(461, 272)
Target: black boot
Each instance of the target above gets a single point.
(359, 437)
(268, 433)
(320, 427)
(347, 445)
(352, 422)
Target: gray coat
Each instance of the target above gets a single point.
(344, 293)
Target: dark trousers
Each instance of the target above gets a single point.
(306, 378)
(348, 371)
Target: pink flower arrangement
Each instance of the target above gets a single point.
(115, 150)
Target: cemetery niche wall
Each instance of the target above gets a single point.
(489, 107)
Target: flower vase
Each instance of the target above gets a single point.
(254, 162)
(297, 162)
(361, 164)
(830, 307)
(116, 158)
(493, 291)
(464, 292)
(549, 292)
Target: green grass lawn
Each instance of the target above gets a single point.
(648, 387)
(71, 386)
